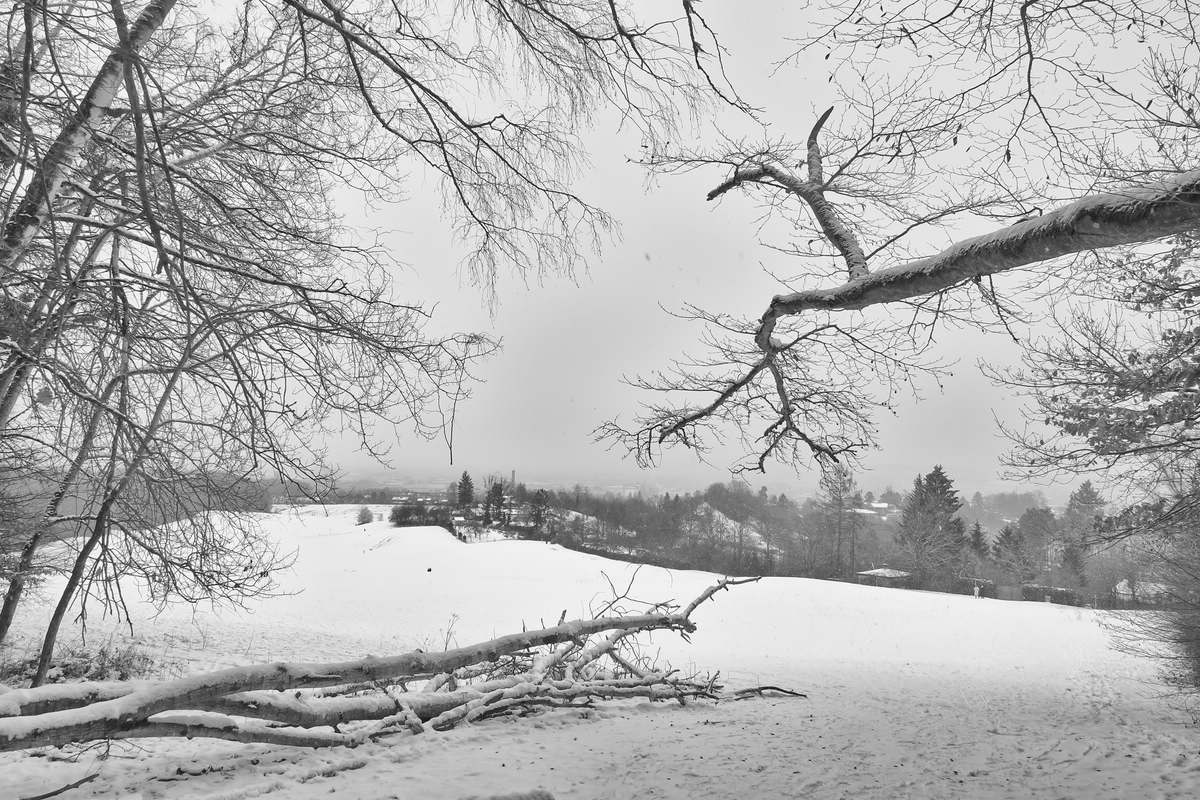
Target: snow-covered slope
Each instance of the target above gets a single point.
(707, 522)
(911, 694)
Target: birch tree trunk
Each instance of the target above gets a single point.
(47, 183)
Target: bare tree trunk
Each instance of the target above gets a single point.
(99, 530)
(45, 187)
(101, 525)
(13, 74)
(854, 548)
(838, 551)
(19, 579)
(18, 365)
(17, 582)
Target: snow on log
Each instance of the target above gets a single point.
(268, 703)
(60, 696)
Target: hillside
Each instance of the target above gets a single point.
(910, 694)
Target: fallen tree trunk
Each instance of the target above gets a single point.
(273, 703)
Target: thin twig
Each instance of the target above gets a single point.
(67, 788)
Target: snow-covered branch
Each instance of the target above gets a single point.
(249, 703)
(806, 387)
(1138, 214)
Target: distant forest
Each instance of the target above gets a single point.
(941, 540)
(1007, 538)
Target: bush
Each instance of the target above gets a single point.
(112, 661)
(365, 516)
(1057, 594)
(401, 516)
(420, 515)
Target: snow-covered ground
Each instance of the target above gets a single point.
(910, 694)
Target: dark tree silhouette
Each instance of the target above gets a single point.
(931, 535)
(466, 490)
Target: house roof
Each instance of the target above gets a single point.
(1141, 588)
(885, 572)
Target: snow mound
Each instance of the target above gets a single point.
(913, 694)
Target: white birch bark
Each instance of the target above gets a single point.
(46, 185)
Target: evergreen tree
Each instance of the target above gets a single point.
(466, 490)
(931, 534)
(1009, 553)
(541, 505)
(979, 552)
(1040, 533)
(493, 504)
(1080, 523)
(978, 543)
(891, 497)
(1084, 510)
(976, 510)
(1072, 570)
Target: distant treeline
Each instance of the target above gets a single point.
(1008, 538)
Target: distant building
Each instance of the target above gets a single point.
(885, 576)
(1146, 592)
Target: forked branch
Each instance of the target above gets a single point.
(819, 373)
(811, 191)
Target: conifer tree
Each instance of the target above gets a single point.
(1009, 553)
(1084, 510)
(466, 490)
(494, 502)
(1073, 565)
(891, 497)
(541, 505)
(978, 543)
(1040, 530)
(931, 534)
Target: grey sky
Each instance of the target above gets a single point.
(566, 345)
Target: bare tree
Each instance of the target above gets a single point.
(1012, 117)
(837, 489)
(1078, 165)
(181, 309)
(1117, 386)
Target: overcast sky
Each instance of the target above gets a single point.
(566, 345)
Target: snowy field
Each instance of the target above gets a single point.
(910, 694)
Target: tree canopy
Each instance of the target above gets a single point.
(182, 309)
(970, 141)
